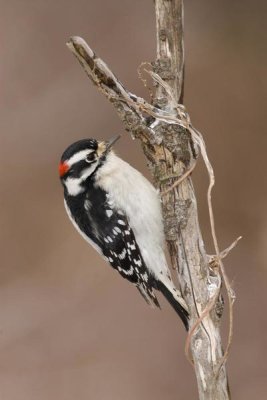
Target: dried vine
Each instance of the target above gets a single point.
(172, 145)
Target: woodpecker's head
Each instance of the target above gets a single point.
(80, 160)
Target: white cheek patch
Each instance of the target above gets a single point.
(81, 155)
(74, 185)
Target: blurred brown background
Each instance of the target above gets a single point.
(70, 328)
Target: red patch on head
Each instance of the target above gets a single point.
(63, 169)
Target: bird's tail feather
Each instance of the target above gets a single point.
(149, 296)
(173, 299)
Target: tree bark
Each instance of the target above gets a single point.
(182, 230)
(171, 151)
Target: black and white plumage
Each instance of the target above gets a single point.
(117, 210)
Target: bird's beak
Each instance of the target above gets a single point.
(104, 147)
(112, 141)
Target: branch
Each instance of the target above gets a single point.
(126, 104)
(171, 145)
(170, 46)
(186, 244)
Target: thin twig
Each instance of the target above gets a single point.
(225, 252)
(213, 259)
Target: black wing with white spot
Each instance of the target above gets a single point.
(108, 230)
(122, 252)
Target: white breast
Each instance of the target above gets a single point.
(138, 199)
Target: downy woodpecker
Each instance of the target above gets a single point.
(117, 210)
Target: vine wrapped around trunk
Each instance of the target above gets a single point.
(171, 146)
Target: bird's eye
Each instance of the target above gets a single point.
(90, 157)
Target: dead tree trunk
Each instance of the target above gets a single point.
(170, 145)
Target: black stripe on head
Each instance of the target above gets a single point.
(90, 144)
